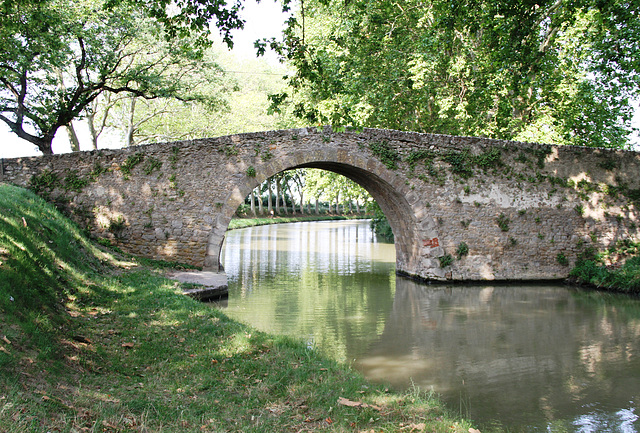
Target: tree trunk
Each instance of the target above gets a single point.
(284, 200)
(269, 199)
(93, 134)
(128, 136)
(73, 137)
(317, 210)
(277, 196)
(260, 207)
(253, 203)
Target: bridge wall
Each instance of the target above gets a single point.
(524, 211)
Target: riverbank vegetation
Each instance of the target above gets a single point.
(91, 341)
(616, 269)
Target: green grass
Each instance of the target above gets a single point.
(94, 342)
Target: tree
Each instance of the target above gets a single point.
(58, 56)
(551, 70)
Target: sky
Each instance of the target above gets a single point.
(263, 20)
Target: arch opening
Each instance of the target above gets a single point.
(392, 202)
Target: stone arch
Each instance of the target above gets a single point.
(409, 221)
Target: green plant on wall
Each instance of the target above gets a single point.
(173, 159)
(386, 154)
(251, 171)
(72, 182)
(151, 165)
(562, 259)
(462, 250)
(98, 169)
(45, 181)
(445, 260)
(503, 222)
(130, 163)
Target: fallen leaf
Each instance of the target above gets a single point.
(346, 402)
(5, 339)
(472, 430)
(127, 345)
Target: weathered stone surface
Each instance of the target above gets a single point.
(176, 203)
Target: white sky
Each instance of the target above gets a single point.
(263, 20)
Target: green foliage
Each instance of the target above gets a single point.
(562, 259)
(386, 154)
(45, 181)
(626, 278)
(116, 224)
(59, 57)
(152, 165)
(130, 163)
(74, 183)
(251, 171)
(461, 162)
(462, 250)
(379, 222)
(503, 222)
(98, 169)
(491, 158)
(419, 155)
(173, 158)
(535, 72)
(445, 260)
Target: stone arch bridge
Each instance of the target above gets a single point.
(460, 208)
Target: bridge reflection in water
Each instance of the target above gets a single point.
(528, 356)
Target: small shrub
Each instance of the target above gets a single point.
(503, 222)
(445, 260)
(562, 259)
(251, 171)
(462, 250)
(116, 225)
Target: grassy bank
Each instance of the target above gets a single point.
(239, 223)
(616, 269)
(90, 342)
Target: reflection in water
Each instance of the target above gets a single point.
(328, 282)
(526, 356)
(535, 358)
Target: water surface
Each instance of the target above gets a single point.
(526, 357)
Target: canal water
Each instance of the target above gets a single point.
(523, 357)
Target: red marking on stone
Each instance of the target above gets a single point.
(431, 243)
